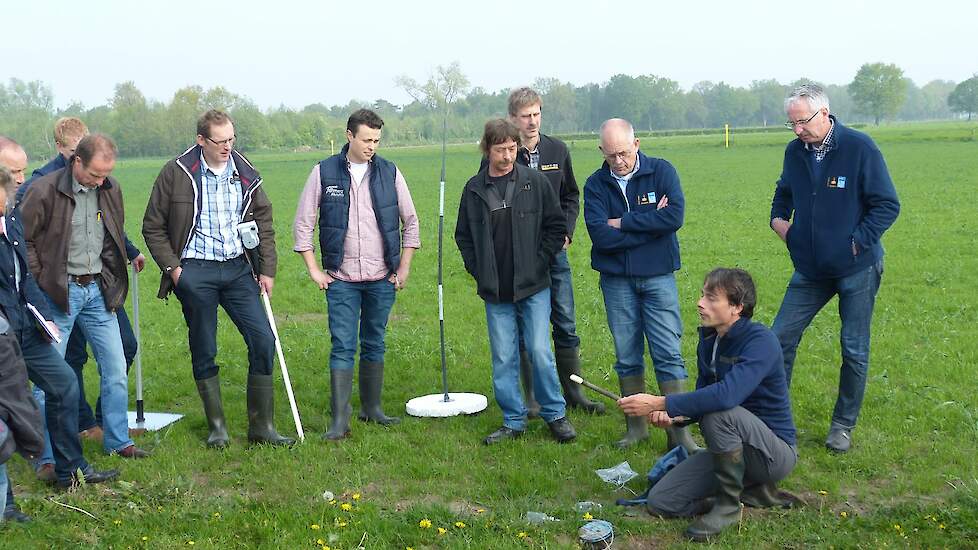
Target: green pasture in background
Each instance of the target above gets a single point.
(909, 481)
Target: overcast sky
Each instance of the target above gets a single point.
(295, 53)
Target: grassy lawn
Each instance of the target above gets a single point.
(910, 479)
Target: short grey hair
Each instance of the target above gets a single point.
(812, 93)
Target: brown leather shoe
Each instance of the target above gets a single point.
(133, 451)
(94, 433)
(46, 473)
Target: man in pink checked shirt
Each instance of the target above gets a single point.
(360, 204)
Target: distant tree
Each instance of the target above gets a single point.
(964, 98)
(26, 112)
(664, 106)
(879, 90)
(624, 97)
(770, 96)
(444, 87)
(559, 105)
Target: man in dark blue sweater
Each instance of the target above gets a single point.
(741, 403)
(837, 193)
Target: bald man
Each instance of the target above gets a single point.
(633, 206)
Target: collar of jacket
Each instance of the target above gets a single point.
(839, 135)
(735, 332)
(190, 162)
(64, 182)
(645, 168)
(522, 179)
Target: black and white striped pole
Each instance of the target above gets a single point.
(444, 404)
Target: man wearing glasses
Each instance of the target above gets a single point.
(633, 206)
(832, 203)
(208, 225)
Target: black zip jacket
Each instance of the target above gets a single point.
(538, 234)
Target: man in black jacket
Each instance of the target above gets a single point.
(509, 228)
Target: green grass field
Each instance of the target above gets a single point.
(909, 481)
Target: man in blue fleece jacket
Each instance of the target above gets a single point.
(835, 183)
(633, 206)
(741, 403)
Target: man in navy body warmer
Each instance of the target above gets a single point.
(837, 193)
(741, 403)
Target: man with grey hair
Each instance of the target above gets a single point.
(832, 203)
(633, 206)
(74, 222)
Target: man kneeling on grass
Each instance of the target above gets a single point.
(741, 402)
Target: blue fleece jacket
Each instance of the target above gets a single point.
(748, 371)
(646, 245)
(853, 202)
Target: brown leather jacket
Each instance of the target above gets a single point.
(46, 213)
(174, 211)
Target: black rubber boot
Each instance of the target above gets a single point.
(210, 395)
(526, 378)
(371, 386)
(261, 412)
(637, 427)
(568, 363)
(340, 386)
(727, 510)
(676, 435)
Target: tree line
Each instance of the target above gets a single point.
(146, 127)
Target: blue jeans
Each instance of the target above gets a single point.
(77, 355)
(640, 310)
(857, 295)
(204, 285)
(529, 319)
(4, 485)
(562, 303)
(355, 308)
(86, 307)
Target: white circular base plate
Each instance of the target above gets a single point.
(435, 406)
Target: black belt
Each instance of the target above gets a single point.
(84, 280)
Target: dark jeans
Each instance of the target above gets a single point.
(562, 319)
(857, 296)
(77, 355)
(48, 371)
(358, 311)
(767, 458)
(204, 285)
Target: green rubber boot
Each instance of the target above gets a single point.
(727, 510)
(636, 427)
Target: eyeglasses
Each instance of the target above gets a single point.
(791, 124)
(229, 141)
(610, 157)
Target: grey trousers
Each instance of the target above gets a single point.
(767, 459)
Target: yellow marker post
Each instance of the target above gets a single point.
(726, 136)
(331, 148)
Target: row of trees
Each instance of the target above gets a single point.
(145, 127)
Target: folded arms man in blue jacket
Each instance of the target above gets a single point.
(741, 402)
(837, 193)
(633, 206)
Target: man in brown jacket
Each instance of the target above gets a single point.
(73, 221)
(208, 225)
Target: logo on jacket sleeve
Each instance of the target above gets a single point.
(837, 182)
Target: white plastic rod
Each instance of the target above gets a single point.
(285, 370)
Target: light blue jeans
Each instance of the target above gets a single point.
(86, 312)
(4, 483)
(640, 310)
(528, 318)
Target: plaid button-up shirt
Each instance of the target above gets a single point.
(827, 144)
(216, 236)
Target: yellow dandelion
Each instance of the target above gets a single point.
(587, 515)
(314, 527)
(425, 523)
(326, 547)
(356, 496)
(341, 524)
(145, 538)
(823, 493)
(843, 514)
(409, 548)
(442, 530)
(521, 535)
(480, 510)
(217, 514)
(346, 506)
(117, 522)
(332, 502)
(320, 542)
(460, 524)
(897, 526)
(190, 543)
(941, 526)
